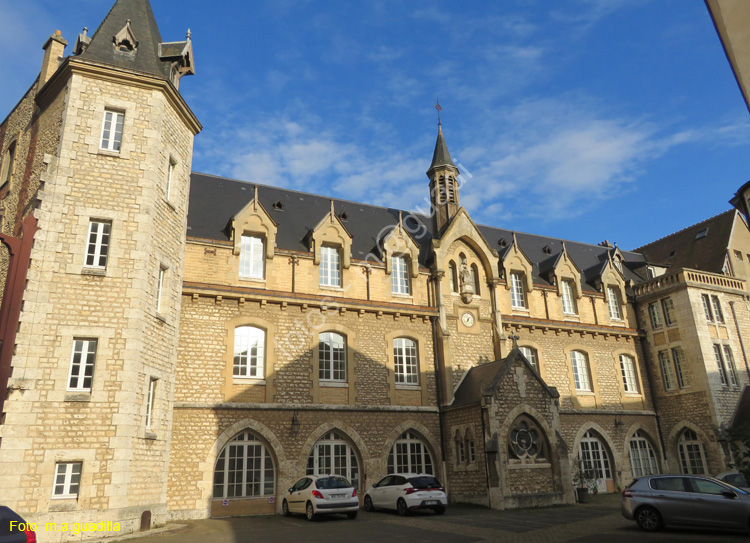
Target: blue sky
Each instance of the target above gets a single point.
(580, 119)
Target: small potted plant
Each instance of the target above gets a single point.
(585, 482)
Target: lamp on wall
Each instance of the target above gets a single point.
(295, 424)
(618, 422)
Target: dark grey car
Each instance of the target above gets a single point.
(688, 500)
(9, 528)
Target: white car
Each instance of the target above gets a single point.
(407, 492)
(315, 495)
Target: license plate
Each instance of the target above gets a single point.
(431, 502)
(338, 495)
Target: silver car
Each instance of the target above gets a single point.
(688, 500)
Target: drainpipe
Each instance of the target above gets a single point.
(482, 409)
(739, 336)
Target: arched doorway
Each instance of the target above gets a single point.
(409, 454)
(594, 459)
(333, 454)
(244, 469)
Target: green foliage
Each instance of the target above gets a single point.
(739, 445)
(586, 478)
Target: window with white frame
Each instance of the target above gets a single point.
(170, 175)
(453, 276)
(67, 480)
(405, 361)
(251, 257)
(150, 401)
(244, 469)
(249, 352)
(690, 450)
(667, 371)
(409, 455)
(331, 357)
(725, 363)
(627, 367)
(517, 292)
(531, 355)
(667, 307)
(333, 454)
(460, 448)
(580, 363)
(718, 313)
(679, 365)
(655, 315)
(330, 267)
(160, 288)
(613, 300)
(568, 301)
(731, 369)
(471, 452)
(475, 280)
(82, 365)
(112, 130)
(97, 248)
(707, 307)
(399, 275)
(642, 456)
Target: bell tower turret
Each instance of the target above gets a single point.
(443, 176)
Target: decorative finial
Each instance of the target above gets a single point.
(515, 338)
(255, 199)
(400, 221)
(333, 213)
(439, 109)
(85, 29)
(189, 35)
(128, 22)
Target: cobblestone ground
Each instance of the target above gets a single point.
(596, 522)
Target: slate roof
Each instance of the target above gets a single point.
(215, 200)
(441, 156)
(143, 24)
(682, 250)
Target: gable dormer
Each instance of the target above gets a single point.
(516, 261)
(398, 242)
(180, 56)
(253, 219)
(331, 232)
(567, 270)
(124, 41)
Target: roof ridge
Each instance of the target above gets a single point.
(642, 247)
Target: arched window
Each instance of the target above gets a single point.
(460, 448)
(526, 441)
(409, 455)
(453, 276)
(531, 355)
(471, 450)
(642, 456)
(244, 469)
(332, 454)
(580, 363)
(691, 455)
(331, 357)
(442, 196)
(249, 352)
(475, 278)
(405, 361)
(593, 457)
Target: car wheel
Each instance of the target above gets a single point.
(439, 510)
(648, 519)
(368, 504)
(310, 511)
(401, 507)
(352, 515)
(285, 509)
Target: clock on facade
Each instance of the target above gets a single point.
(467, 319)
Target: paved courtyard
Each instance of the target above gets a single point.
(596, 522)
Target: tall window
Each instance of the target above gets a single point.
(654, 315)
(67, 480)
(593, 456)
(475, 279)
(690, 450)
(707, 307)
(667, 372)
(112, 130)
(409, 455)
(332, 454)
(244, 469)
(716, 303)
(406, 364)
(170, 174)
(399, 275)
(668, 307)
(725, 363)
(82, 365)
(531, 356)
(517, 293)
(331, 357)
(471, 452)
(150, 400)
(249, 346)
(97, 248)
(642, 456)
(160, 288)
(251, 257)
(8, 164)
(460, 448)
(453, 276)
(627, 367)
(614, 304)
(580, 363)
(330, 267)
(679, 365)
(568, 301)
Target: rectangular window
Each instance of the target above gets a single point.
(150, 401)
(731, 370)
(716, 303)
(580, 364)
(97, 248)
(568, 302)
(8, 164)
(67, 480)
(249, 357)
(517, 293)
(679, 366)
(170, 174)
(251, 257)
(160, 288)
(332, 357)
(654, 315)
(720, 364)
(707, 307)
(667, 371)
(530, 354)
(399, 275)
(82, 365)
(627, 366)
(330, 267)
(614, 304)
(406, 366)
(112, 130)
(668, 308)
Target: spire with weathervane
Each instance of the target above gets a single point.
(443, 176)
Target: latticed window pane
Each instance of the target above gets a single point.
(82, 364)
(399, 275)
(720, 364)
(517, 293)
(67, 480)
(249, 347)
(568, 302)
(97, 248)
(668, 307)
(593, 456)
(530, 354)
(627, 367)
(717, 309)
(707, 307)
(332, 357)
(112, 130)
(679, 366)
(614, 304)
(405, 361)
(691, 453)
(409, 455)
(667, 372)
(654, 315)
(244, 469)
(642, 457)
(330, 267)
(332, 454)
(580, 364)
(251, 257)
(731, 370)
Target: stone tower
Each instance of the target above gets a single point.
(88, 417)
(443, 176)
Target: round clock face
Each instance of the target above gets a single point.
(467, 319)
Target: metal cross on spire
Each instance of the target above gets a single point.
(439, 109)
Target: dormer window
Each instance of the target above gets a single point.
(251, 257)
(125, 46)
(568, 300)
(124, 41)
(330, 267)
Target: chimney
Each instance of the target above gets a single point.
(53, 52)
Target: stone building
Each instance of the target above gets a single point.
(163, 364)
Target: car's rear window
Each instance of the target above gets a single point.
(328, 483)
(424, 482)
(736, 479)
